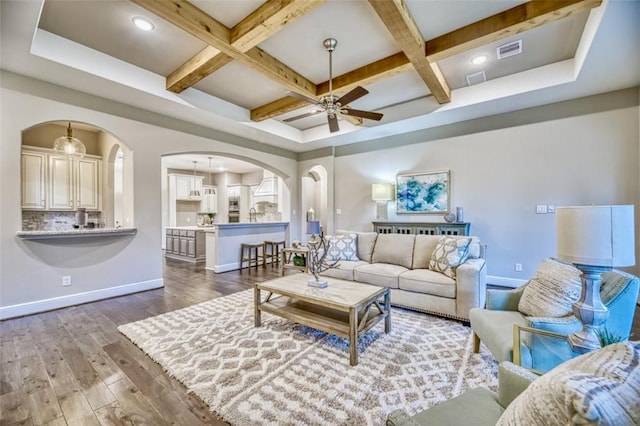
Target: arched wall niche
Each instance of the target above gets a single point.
(314, 190)
(55, 178)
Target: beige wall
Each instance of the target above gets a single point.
(31, 271)
(499, 176)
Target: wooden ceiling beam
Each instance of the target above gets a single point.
(396, 17)
(267, 20)
(203, 64)
(513, 21)
(194, 21)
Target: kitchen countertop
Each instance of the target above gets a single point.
(227, 225)
(74, 233)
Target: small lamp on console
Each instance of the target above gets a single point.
(595, 239)
(382, 193)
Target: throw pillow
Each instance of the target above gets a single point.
(552, 291)
(597, 388)
(343, 247)
(449, 254)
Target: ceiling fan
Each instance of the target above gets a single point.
(332, 104)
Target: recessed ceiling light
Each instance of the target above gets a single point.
(479, 59)
(143, 23)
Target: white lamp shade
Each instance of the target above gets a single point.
(596, 235)
(382, 192)
(313, 227)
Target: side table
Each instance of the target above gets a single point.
(287, 255)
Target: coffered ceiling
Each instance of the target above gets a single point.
(230, 64)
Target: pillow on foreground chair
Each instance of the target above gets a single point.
(555, 283)
(597, 388)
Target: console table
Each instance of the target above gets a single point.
(422, 228)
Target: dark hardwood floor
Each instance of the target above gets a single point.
(73, 367)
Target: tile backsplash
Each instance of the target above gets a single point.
(54, 221)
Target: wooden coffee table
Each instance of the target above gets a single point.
(344, 308)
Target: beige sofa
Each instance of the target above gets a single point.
(401, 262)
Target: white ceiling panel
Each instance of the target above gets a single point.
(228, 12)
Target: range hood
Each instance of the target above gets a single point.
(267, 191)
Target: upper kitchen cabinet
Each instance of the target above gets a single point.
(74, 183)
(34, 169)
(183, 185)
(209, 203)
(52, 182)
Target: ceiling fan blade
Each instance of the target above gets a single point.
(303, 98)
(297, 117)
(333, 123)
(364, 114)
(352, 95)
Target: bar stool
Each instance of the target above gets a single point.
(273, 254)
(250, 252)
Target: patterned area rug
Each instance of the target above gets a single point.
(287, 374)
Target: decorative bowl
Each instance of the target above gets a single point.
(450, 218)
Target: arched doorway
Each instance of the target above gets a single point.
(314, 190)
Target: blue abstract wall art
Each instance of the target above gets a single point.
(423, 192)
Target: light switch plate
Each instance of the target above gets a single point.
(338, 211)
(541, 209)
(551, 208)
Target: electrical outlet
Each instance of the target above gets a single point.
(541, 208)
(66, 280)
(518, 267)
(551, 208)
(338, 211)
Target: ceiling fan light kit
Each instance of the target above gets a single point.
(332, 104)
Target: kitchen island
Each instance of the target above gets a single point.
(223, 242)
(186, 243)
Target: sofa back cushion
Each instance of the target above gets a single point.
(365, 243)
(396, 249)
(422, 250)
(598, 388)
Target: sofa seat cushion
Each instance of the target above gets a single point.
(380, 274)
(597, 388)
(429, 282)
(344, 269)
(496, 329)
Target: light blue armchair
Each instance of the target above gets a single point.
(494, 325)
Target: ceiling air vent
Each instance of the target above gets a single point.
(476, 78)
(509, 49)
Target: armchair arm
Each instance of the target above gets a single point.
(512, 380)
(504, 300)
(400, 418)
(542, 349)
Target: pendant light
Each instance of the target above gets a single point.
(194, 193)
(210, 190)
(69, 146)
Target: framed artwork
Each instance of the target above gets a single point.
(423, 192)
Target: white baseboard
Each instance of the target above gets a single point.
(76, 299)
(504, 281)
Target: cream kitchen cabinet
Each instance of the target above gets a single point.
(74, 183)
(182, 185)
(209, 203)
(52, 182)
(34, 169)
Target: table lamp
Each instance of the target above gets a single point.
(382, 193)
(595, 239)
